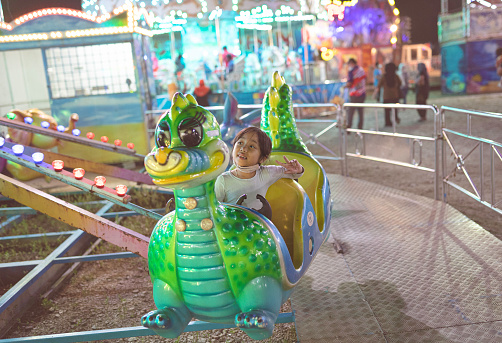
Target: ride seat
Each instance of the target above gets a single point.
(286, 199)
(312, 181)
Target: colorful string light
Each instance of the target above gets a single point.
(37, 157)
(100, 181)
(79, 173)
(121, 190)
(58, 165)
(18, 149)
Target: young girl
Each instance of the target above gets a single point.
(252, 147)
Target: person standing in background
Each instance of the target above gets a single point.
(224, 57)
(402, 72)
(202, 94)
(377, 75)
(422, 89)
(356, 85)
(391, 84)
(179, 64)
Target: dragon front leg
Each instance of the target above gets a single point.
(260, 302)
(172, 316)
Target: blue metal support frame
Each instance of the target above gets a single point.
(50, 235)
(12, 294)
(10, 221)
(70, 259)
(16, 291)
(135, 331)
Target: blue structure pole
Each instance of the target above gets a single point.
(136, 331)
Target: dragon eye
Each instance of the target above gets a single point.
(190, 132)
(162, 135)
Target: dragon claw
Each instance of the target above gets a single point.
(155, 320)
(168, 322)
(257, 324)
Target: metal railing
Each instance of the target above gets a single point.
(477, 187)
(152, 117)
(407, 144)
(482, 189)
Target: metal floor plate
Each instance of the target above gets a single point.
(412, 270)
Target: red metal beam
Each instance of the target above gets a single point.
(75, 216)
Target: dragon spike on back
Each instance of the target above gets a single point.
(278, 119)
(273, 117)
(277, 80)
(274, 98)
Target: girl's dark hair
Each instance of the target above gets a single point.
(498, 52)
(264, 141)
(390, 74)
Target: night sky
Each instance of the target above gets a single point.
(423, 13)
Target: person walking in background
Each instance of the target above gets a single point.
(179, 64)
(391, 84)
(402, 72)
(225, 57)
(377, 75)
(356, 84)
(230, 64)
(422, 90)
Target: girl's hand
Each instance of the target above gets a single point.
(292, 167)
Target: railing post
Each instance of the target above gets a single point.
(342, 134)
(442, 124)
(437, 136)
(492, 173)
(482, 179)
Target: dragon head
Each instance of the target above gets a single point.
(188, 148)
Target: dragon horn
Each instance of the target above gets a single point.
(191, 99)
(178, 104)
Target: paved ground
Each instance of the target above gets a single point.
(412, 270)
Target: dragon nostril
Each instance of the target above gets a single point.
(161, 156)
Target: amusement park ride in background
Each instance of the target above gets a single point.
(251, 264)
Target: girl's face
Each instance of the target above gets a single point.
(247, 151)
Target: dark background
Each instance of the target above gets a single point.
(423, 14)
